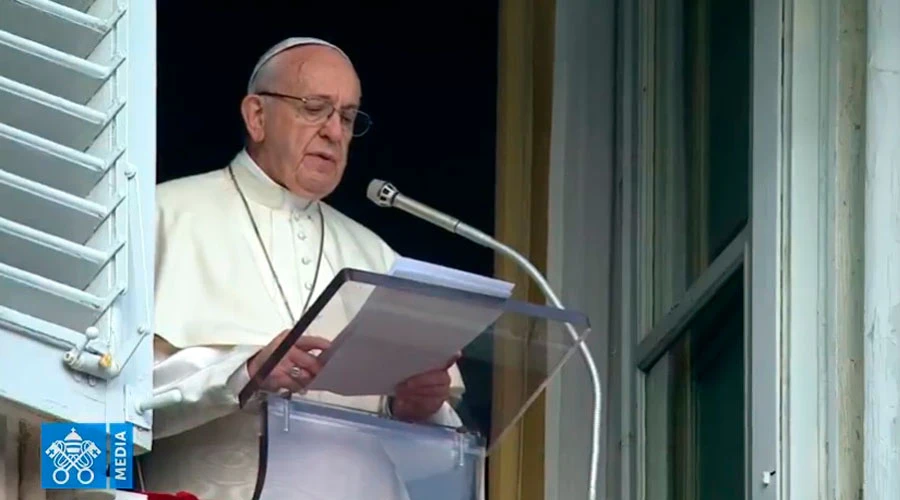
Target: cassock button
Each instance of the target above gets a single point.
(301, 235)
(305, 260)
(296, 215)
(307, 286)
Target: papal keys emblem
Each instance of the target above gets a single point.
(73, 452)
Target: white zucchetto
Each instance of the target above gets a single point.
(286, 44)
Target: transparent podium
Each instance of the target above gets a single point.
(313, 450)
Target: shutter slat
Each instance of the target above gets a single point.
(37, 159)
(51, 70)
(50, 116)
(50, 210)
(55, 25)
(79, 5)
(52, 257)
(16, 321)
(50, 300)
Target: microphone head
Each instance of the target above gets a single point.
(381, 192)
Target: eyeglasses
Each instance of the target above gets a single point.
(317, 110)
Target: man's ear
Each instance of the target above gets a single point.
(254, 119)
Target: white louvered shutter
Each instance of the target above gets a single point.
(77, 175)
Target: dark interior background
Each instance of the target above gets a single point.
(429, 82)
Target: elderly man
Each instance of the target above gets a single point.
(242, 252)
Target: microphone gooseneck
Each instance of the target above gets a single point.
(384, 194)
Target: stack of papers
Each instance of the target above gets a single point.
(396, 335)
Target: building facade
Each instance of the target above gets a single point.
(723, 203)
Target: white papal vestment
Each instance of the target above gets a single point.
(217, 304)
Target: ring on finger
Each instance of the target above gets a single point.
(295, 373)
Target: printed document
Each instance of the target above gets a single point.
(397, 334)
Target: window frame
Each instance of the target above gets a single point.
(757, 248)
(822, 200)
(766, 318)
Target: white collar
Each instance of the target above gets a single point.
(258, 186)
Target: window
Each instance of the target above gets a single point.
(77, 149)
(694, 212)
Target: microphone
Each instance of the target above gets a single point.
(384, 194)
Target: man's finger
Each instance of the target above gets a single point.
(301, 359)
(301, 375)
(435, 378)
(312, 342)
(292, 385)
(424, 393)
(281, 380)
(444, 385)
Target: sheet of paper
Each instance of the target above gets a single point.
(434, 274)
(396, 335)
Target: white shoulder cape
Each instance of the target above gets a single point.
(213, 284)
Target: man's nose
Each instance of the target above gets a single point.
(333, 129)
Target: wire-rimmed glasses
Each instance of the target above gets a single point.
(318, 109)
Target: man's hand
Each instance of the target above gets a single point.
(421, 396)
(296, 369)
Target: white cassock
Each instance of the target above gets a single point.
(217, 304)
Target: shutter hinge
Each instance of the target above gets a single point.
(96, 365)
(102, 366)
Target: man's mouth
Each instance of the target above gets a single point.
(325, 156)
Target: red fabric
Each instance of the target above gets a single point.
(181, 495)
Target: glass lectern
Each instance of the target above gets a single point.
(311, 450)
